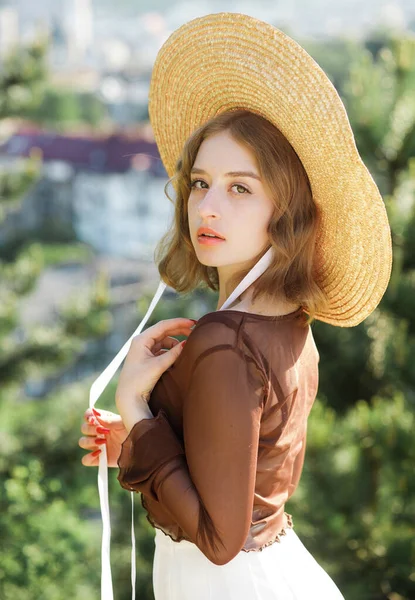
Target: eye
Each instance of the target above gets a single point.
(193, 183)
(237, 185)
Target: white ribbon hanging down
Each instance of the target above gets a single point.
(96, 390)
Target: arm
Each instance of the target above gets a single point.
(298, 466)
(209, 490)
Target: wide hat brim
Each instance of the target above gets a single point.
(224, 61)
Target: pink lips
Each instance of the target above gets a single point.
(208, 241)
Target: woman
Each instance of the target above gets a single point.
(282, 225)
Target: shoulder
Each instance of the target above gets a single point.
(219, 341)
(216, 330)
(219, 354)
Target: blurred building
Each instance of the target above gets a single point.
(80, 30)
(108, 190)
(9, 30)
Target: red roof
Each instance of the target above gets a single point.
(110, 154)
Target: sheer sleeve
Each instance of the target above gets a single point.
(298, 466)
(207, 484)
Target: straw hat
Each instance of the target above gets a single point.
(224, 61)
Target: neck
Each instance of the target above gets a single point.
(225, 290)
(245, 297)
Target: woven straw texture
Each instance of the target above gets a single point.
(224, 61)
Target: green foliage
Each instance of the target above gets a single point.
(43, 539)
(355, 502)
(55, 253)
(40, 351)
(17, 277)
(191, 306)
(21, 274)
(22, 79)
(85, 315)
(46, 548)
(49, 508)
(63, 108)
(16, 181)
(381, 106)
(375, 357)
(91, 110)
(334, 57)
(49, 542)
(357, 493)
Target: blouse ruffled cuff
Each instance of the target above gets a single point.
(150, 446)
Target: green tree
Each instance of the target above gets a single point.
(355, 502)
(63, 108)
(22, 79)
(23, 75)
(356, 498)
(376, 356)
(49, 547)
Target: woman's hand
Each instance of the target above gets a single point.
(151, 353)
(99, 428)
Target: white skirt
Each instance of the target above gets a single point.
(285, 570)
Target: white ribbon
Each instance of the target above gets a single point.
(96, 390)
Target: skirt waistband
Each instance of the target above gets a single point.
(161, 537)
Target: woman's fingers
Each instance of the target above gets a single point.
(167, 327)
(90, 443)
(160, 352)
(88, 429)
(105, 418)
(166, 359)
(91, 459)
(93, 430)
(88, 414)
(168, 342)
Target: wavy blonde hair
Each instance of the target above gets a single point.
(292, 229)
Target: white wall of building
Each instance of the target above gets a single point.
(121, 214)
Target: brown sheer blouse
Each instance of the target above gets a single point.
(225, 449)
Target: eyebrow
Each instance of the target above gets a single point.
(231, 173)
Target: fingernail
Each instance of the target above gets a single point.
(103, 430)
(96, 412)
(96, 453)
(91, 420)
(194, 320)
(100, 441)
(183, 342)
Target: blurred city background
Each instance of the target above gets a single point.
(82, 206)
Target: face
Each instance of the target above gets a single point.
(235, 206)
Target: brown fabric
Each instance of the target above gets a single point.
(225, 450)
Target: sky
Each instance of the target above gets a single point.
(304, 17)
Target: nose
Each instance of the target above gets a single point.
(209, 205)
